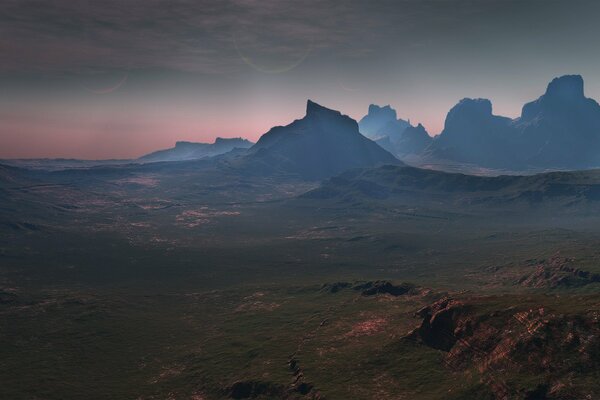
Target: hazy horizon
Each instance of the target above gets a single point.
(122, 79)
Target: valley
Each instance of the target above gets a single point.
(183, 281)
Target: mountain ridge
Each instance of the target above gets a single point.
(185, 150)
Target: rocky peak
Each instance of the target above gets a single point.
(563, 96)
(420, 128)
(313, 109)
(567, 87)
(323, 120)
(467, 113)
(473, 107)
(183, 143)
(234, 141)
(385, 112)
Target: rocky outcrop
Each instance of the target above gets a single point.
(532, 341)
(558, 272)
(441, 324)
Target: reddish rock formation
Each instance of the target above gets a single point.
(558, 272)
(510, 342)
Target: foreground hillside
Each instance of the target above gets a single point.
(195, 280)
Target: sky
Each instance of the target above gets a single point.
(121, 78)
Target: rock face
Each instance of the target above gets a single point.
(193, 151)
(558, 272)
(440, 322)
(491, 341)
(561, 129)
(395, 135)
(322, 144)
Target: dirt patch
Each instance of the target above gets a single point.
(368, 327)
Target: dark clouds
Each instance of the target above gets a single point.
(202, 36)
(237, 67)
(181, 35)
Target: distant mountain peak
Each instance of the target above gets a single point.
(466, 112)
(479, 106)
(313, 108)
(185, 150)
(380, 122)
(558, 130)
(386, 112)
(184, 143)
(322, 144)
(220, 140)
(566, 87)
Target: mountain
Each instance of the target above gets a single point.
(381, 122)
(397, 136)
(414, 140)
(559, 130)
(191, 151)
(320, 145)
(375, 120)
(472, 134)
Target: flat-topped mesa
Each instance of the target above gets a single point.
(473, 106)
(563, 93)
(234, 141)
(185, 150)
(185, 143)
(567, 87)
(468, 111)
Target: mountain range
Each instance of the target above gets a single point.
(192, 151)
(559, 130)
